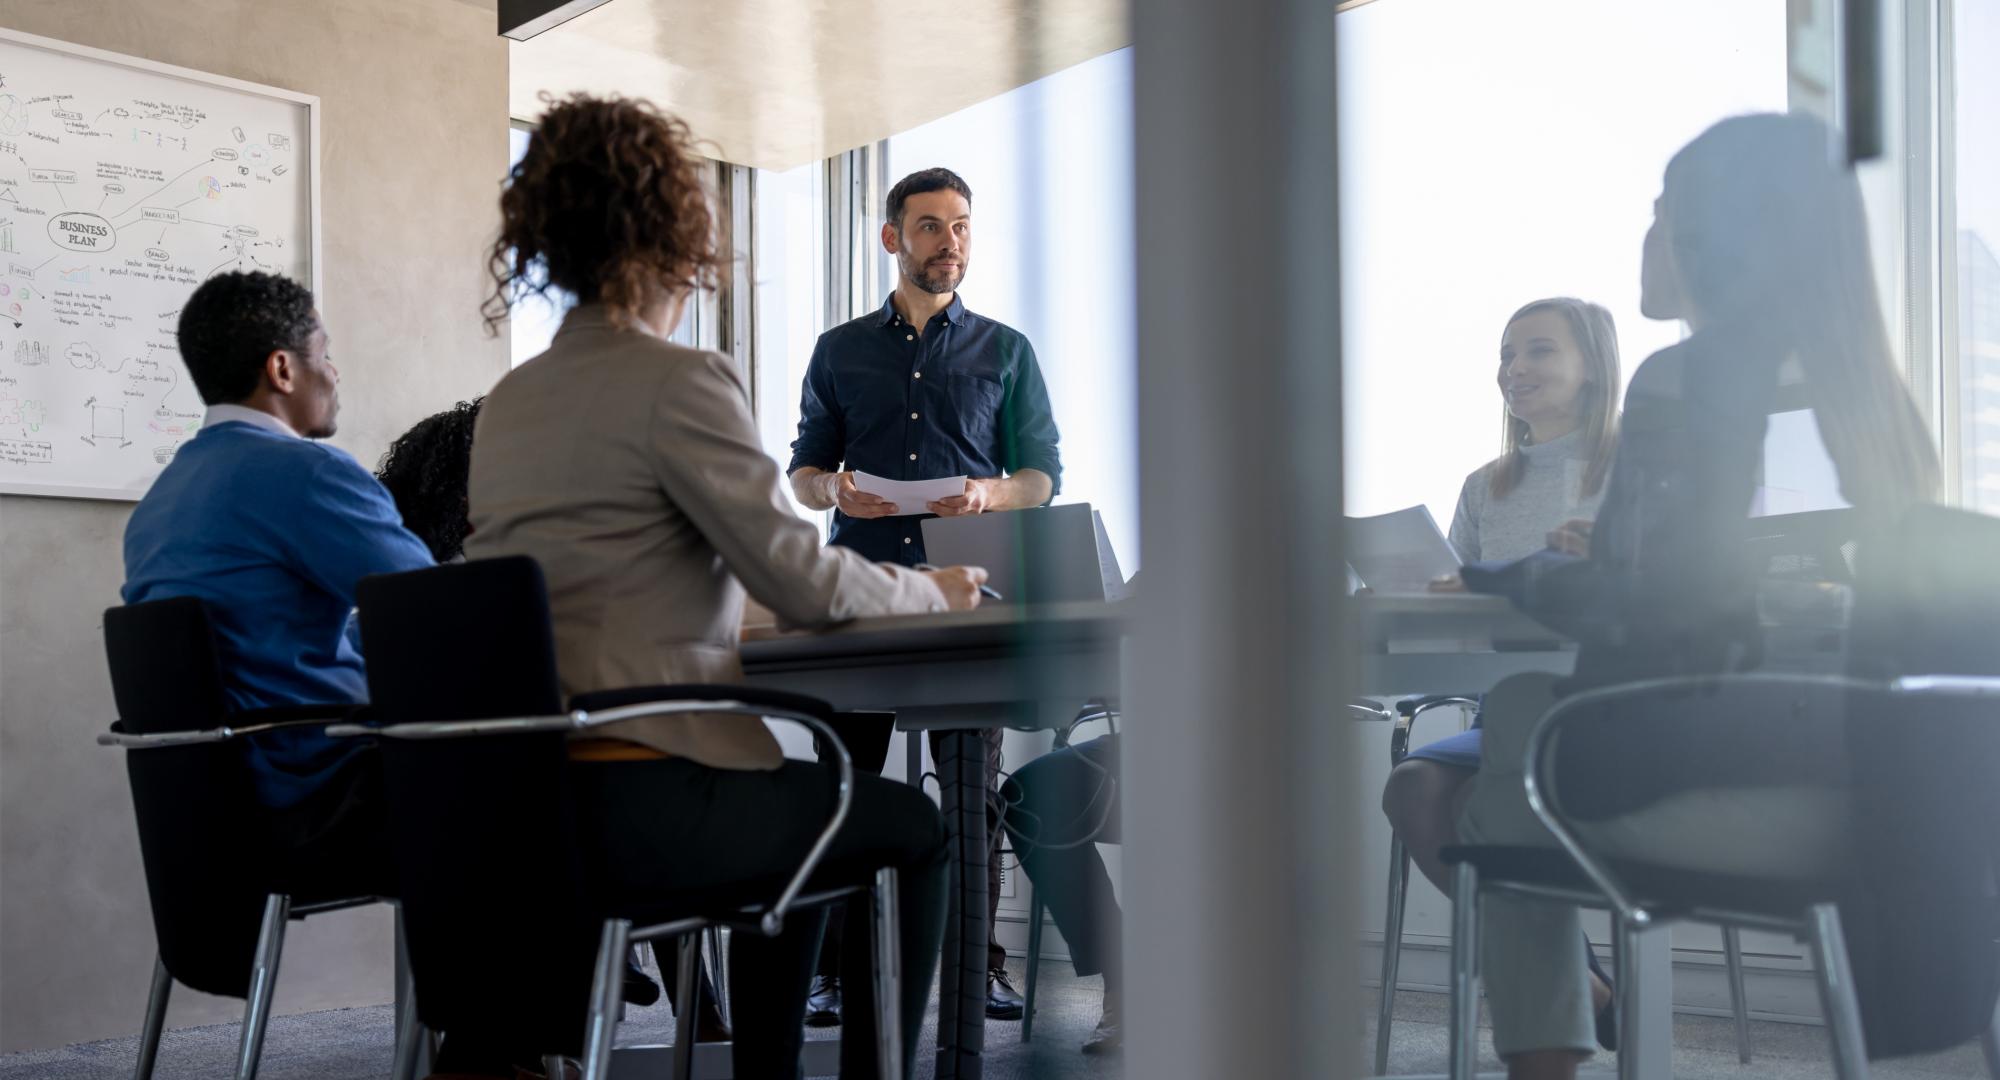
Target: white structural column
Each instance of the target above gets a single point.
(1239, 846)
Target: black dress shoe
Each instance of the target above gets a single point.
(823, 1002)
(639, 988)
(1002, 1003)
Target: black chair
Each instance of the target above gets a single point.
(463, 684)
(1917, 898)
(1094, 712)
(221, 895)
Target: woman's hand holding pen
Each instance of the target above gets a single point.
(962, 585)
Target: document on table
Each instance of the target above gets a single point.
(1399, 552)
(910, 496)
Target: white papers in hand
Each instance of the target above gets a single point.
(910, 496)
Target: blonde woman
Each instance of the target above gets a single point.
(1559, 377)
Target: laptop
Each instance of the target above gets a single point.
(1046, 555)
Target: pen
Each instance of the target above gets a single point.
(984, 591)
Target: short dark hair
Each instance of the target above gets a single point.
(426, 470)
(233, 323)
(923, 182)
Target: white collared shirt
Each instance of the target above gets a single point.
(220, 414)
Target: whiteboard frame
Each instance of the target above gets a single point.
(310, 102)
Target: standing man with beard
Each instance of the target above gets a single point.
(921, 389)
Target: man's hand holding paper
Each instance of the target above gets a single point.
(904, 496)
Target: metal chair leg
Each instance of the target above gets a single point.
(1392, 950)
(1836, 993)
(1739, 1002)
(718, 972)
(1464, 985)
(1036, 913)
(605, 987)
(687, 1002)
(409, 1030)
(888, 977)
(156, 1018)
(263, 979)
(553, 1066)
(1989, 1043)
(1626, 963)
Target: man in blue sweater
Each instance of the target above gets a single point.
(274, 530)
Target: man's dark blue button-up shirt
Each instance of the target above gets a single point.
(964, 397)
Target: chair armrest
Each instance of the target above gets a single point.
(1539, 763)
(1407, 712)
(241, 724)
(639, 702)
(1955, 686)
(1367, 711)
(1094, 710)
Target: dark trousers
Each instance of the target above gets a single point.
(1061, 805)
(672, 828)
(337, 837)
(867, 737)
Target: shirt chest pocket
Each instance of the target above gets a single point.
(975, 402)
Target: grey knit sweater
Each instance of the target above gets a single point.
(1484, 528)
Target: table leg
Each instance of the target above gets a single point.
(962, 973)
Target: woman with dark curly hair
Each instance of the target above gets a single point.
(425, 471)
(630, 468)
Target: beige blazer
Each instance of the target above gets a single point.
(630, 469)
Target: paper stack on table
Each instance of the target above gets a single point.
(910, 496)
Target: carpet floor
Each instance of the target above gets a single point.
(354, 1044)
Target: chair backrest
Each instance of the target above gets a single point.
(1914, 893)
(484, 828)
(166, 672)
(1927, 594)
(1920, 927)
(192, 803)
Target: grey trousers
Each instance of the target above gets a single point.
(1531, 952)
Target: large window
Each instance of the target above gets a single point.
(788, 271)
(534, 319)
(1976, 291)
(1493, 154)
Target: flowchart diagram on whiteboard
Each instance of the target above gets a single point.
(124, 184)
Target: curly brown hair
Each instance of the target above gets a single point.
(608, 205)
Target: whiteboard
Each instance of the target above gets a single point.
(124, 184)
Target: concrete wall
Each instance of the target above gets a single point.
(413, 96)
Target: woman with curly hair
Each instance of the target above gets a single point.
(425, 471)
(630, 468)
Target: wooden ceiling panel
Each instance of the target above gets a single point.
(778, 83)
